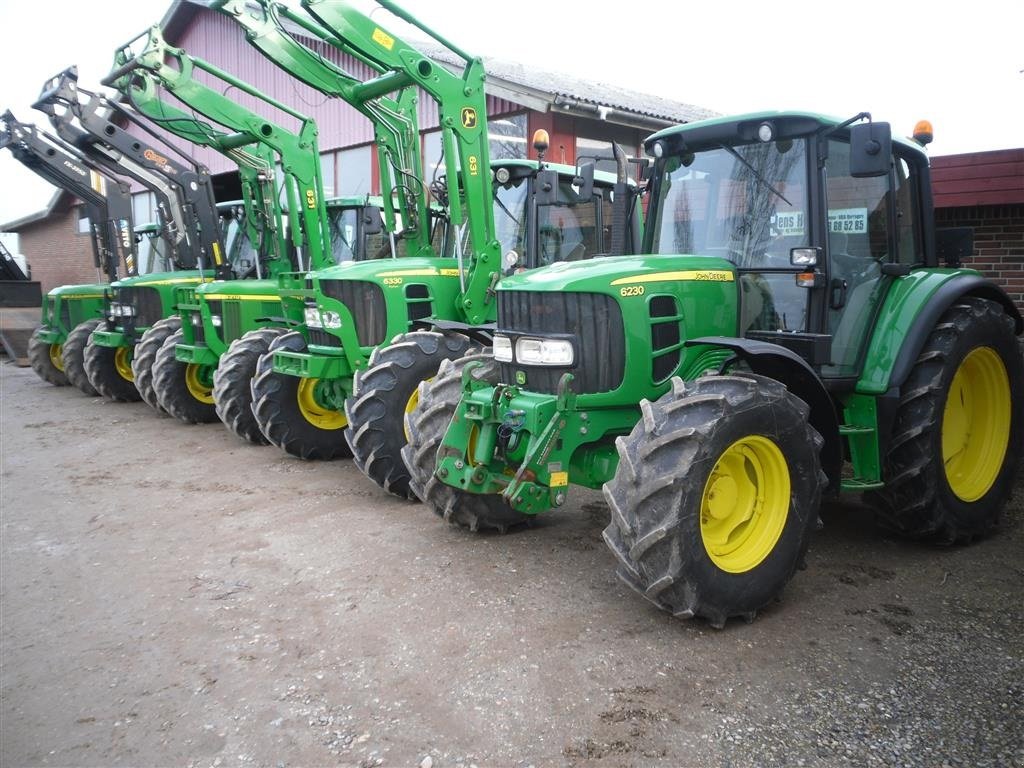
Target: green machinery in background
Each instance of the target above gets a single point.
(796, 312)
(391, 326)
(186, 211)
(236, 320)
(107, 206)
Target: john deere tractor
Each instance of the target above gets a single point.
(187, 215)
(108, 209)
(203, 370)
(373, 331)
(796, 328)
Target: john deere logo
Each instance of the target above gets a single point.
(520, 378)
(468, 117)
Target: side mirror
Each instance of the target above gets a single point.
(373, 223)
(545, 188)
(870, 149)
(585, 181)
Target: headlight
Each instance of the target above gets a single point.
(313, 317)
(544, 352)
(121, 310)
(195, 319)
(316, 318)
(215, 319)
(502, 349)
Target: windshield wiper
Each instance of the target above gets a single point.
(754, 171)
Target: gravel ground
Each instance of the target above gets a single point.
(171, 597)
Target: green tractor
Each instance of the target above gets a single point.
(372, 331)
(198, 385)
(188, 218)
(203, 368)
(108, 209)
(796, 328)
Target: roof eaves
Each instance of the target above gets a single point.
(35, 218)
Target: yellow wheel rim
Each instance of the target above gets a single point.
(410, 406)
(745, 504)
(313, 412)
(976, 424)
(197, 384)
(57, 356)
(123, 363)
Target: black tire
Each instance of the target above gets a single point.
(145, 355)
(110, 371)
(426, 426)
(46, 360)
(382, 395)
(232, 383)
(281, 418)
(922, 498)
(73, 355)
(183, 390)
(663, 524)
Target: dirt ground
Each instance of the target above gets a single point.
(172, 597)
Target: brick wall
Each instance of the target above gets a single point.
(57, 253)
(998, 242)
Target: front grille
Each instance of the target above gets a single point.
(366, 303)
(593, 319)
(148, 306)
(65, 315)
(322, 338)
(231, 320)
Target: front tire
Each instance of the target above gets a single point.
(110, 371)
(232, 383)
(73, 356)
(145, 355)
(957, 437)
(46, 360)
(184, 390)
(384, 393)
(717, 488)
(289, 413)
(426, 426)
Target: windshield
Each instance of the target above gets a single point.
(344, 234)
(153, 254)
(745, 203)
(240, 250)
(510, 215)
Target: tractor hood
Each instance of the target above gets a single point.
(601, 275)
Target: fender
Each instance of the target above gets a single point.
(784, 365)
(482, 334)
(910, 313)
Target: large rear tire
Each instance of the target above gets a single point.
(46, 360)
(384, 393)
(184, 390)
(73, 356)
(288, 411)
(717, 489)
(232, 383)
(426, 425)
(957, 437)
(145, 355)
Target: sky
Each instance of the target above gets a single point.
(961, 65)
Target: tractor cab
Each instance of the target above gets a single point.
(813, 231)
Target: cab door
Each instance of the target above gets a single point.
(872, 235)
